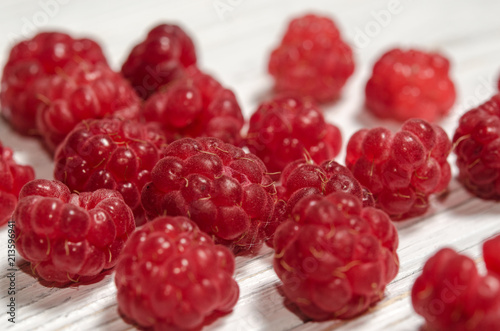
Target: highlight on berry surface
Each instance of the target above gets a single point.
(334, 256)
(410, 83)
(312, 59)
(171, 275)
(403, 169)
(69, 237)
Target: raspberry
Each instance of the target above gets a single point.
(80, 92)
(112, 154)
(451, 295)
(410, 83)
(44, 54)
(312, 59)
(287, 129)
(159, 59)
(197, 106)
(12, 178)
(172, 276)
(477, 145)
(335, 257)
(70, 237)
(302, 178)
(491, 248)
(225, 191)
(403, 169)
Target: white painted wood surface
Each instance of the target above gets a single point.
(233, 39)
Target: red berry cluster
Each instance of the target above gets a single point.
(477, 141)
(171, 276)
(12, 178)
(224, 190)
(312, 59)
(451, 294)
(68, 236)
(111, 154)
(288, 128)
(410, 83)
(335, 257)
(403, 169)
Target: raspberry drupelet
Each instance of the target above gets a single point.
(13, 176)
(112, 154)
(159, 59)
(410, 83)
(288, 128)
(79, 92)
(335, 257)
(69, 237)
(45, 54)
(477, 146)
(196, 105)
(224, 190)
(171, 276)
(403, 169)
(451, 294)
(312, 59)
(302, 178)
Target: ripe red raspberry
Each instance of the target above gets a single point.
(112, 154)
(477, 145)
(68, 236)
(79, 92)
(159, 59)
(491, 247)
(197, 106)
(312, 59)
(410, 83)
(403, 169)
(286, 129)
(451, 295)
(12, 178)
(225, 191)
(44, 54)
(171, 276)
(303, 178)
(335, 257)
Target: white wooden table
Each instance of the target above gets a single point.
(233, 39)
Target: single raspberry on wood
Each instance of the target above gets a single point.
(312, 59)
(171, 276)
(410, 83)
(403, 169)
(13, 176)
(79, 92)
(288, 128)
(477, 146)
(70, 237)
(302, 178)
(334, 256)
(224, 190)
(451, 295)
(196, 105)
(112, 154)
(159, 59)
(44, 54)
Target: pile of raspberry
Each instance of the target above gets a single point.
(452, 295)
(403, 169)
(290, 128)
(224, 190)
(312, 59)
(13, 176)
(334, 256)
(171, 276)
(477, 146)
(410, 83)
(68, 237)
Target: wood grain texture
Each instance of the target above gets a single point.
(234, 46)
